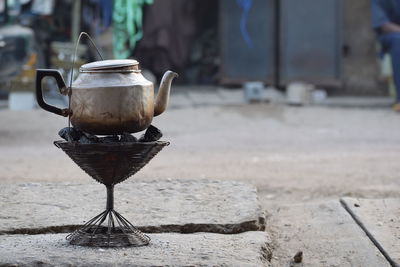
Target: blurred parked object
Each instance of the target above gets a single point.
(43, 7)
(318, 96)
(257, 92)
(21, 95)
(299, 93)
(16, 48)
(254, 91)
(21, 100)
(18, 57)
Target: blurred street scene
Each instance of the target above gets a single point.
(293, 97)
(330, 47)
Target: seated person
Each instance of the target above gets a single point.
(386, 23)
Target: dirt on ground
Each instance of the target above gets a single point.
(291, 154)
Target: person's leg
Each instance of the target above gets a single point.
(391, 43)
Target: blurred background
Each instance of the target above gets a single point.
(241, 62)
(327, 44)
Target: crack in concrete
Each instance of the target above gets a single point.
(376, 243)
(255, 225)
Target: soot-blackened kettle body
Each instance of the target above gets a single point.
(109, 97)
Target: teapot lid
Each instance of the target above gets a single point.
(108, 64)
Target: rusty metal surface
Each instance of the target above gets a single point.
(113, 103)
(105, 111)
(111, 163)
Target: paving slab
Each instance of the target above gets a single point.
(154, 206)
(325, 233)
(167, 249)
(379, 218)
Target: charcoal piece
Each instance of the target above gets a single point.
(109, 139)
(85, 140)
(70, 134)
(152, 134)
(91, 138)
(127, 137)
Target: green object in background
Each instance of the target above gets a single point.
(127, 21)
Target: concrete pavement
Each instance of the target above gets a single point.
(292, 155)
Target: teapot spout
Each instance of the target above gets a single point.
(162, 98)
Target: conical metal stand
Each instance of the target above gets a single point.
(110, 164)
(108, 229)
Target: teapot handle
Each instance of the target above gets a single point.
(40, 74)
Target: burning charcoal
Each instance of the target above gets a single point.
(70, 134)
(126, 137)
(152, 134)
(109, 139)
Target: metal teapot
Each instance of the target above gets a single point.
(109, 97)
